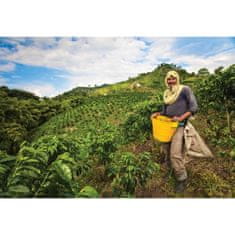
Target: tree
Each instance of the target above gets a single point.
(20, 113)
(218, 70)
(203, 72)
(218, 92)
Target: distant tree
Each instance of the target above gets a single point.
(20, 94)
(203, 72)
(4, 88)
(218, 70)
(104, 85)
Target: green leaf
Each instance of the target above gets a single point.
(88, 192)
(63, 171)
(31, 168)
(3, 169)
(28, 174)
(42, 157)
(7, 159)
(19, 189)
(66, 157)
(232, 153)
(30, 160)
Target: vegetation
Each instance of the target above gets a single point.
(97, 142)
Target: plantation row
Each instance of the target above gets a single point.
(94, 115)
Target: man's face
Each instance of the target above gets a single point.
(171, 81)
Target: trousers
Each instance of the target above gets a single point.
(174, 151)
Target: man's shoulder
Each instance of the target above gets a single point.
(186, 89)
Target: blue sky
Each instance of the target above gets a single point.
(48, 66)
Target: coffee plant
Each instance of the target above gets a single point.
(129, 171)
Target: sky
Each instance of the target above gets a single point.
(48, 66)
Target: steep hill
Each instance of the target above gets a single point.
(149, 81)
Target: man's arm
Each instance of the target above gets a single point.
(192, 105)
(191, 100)
(182, 117)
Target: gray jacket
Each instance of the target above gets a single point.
(186, 102)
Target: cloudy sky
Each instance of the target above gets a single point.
(49, 66)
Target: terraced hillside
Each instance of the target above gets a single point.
(95, 114)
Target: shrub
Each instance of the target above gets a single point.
(128, 171)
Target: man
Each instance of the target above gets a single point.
(179, 104)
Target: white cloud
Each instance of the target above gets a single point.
(160, 48)
(197, 62)
(163, 48)
(39, 89)
(88, 60)
(107, 60)
(7, 67)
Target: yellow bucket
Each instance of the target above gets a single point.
(163, 128)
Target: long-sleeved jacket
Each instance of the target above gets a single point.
(186, 102)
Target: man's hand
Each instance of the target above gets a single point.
(182, 117)
(175, 119)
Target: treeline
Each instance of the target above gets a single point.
(20, 113)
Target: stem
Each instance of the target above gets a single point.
(44, 180)
(228, 121)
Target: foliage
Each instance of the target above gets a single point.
(203, 72)
(210, 184)
(217, 92)
(138, 124)
(93, 114)
(104, 144)
(128, 171)
(88, 192)
(21, 112)
(6, 164)
(232, 153)
(48, 168)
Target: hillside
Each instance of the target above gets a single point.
(97, 142)
(149, 81)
